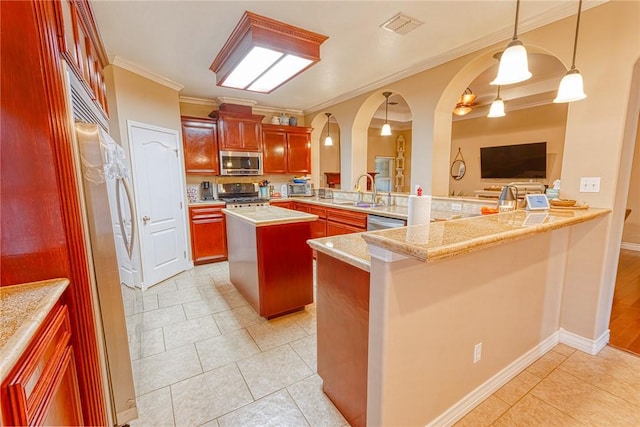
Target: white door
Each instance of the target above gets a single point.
(159, 201)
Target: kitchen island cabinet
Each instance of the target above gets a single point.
(270, 262)
(208, 233)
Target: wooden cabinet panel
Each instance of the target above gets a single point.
(336, 229)
(200, 141)
(302, 207)
(319, 228)
(299, 153)
(287, 149)
(286, 204)
(42, 389)
(239, 131)
(208, 234)
(355, 219)
(274, 151)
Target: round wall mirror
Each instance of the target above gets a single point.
(458, 169)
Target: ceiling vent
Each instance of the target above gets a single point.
(401, 24)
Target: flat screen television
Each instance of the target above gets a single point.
(514, 161)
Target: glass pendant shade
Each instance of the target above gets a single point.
(328, 142)
(571, 87)
(386, 130)
(497, 108)
(514, 66)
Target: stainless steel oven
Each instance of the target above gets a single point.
(240, 163)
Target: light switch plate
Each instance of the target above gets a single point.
(590, 184)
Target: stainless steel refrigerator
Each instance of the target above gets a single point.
(109, 224)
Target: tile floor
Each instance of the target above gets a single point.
(202, 356)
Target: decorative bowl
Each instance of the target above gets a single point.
(562, 202)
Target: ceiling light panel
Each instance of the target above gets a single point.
(255, 63)
(282, 71)
(401, 24)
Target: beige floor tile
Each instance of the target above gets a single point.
(234, 299)
(306, 319)
(212, 423)
(150, 302)
(134, 324)
(274, 333)
(146, 343)
(547, 363)
(314, 404)
(609, 375)
(564, 349)
(273, 370)
(533, 412)
(194, 282)
(631, 361)
(154, 409)
(160, 370)
(162, 317)
(205, 397)
(277, 409)
(484, 414)
(585, 402)
(225, 349)
(220, 276)
(237, 318)
(515, 389)
(225, 286)
(166, 286)
(202, 307)
(190, 331)
(209, 291)
(181, 296)
(307, 349)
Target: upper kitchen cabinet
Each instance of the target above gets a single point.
(238, 128)
(287, 149)
(80, 46)
(200, 140)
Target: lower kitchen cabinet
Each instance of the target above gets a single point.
(286, 204)
(319, 226)
(208, 234)
(343, 221)
(42, 388)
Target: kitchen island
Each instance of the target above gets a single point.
(269, 261)
(420, 300)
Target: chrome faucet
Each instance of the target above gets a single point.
(373, 187)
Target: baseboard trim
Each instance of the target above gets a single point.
(471, 400)
(583, 344)
(630, 246)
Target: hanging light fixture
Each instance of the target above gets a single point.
(497, 107)
(386, 128)
(465, 103)
(514, 66)
(571, 86)
(328, 142)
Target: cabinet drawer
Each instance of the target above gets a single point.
(30, 384)
(205, 212)
(316, 210)
(355, 219)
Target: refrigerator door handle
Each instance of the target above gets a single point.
(128, 242)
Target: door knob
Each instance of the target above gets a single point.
(145, 219)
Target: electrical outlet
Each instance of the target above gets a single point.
(456, 206)
(477, 352)
(590, 184)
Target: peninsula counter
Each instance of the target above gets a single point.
(418, 300)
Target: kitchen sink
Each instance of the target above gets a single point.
(357, 204)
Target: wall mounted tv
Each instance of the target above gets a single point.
(514, 161)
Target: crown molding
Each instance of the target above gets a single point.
(146, 73)
(236, 101)
(198, 101)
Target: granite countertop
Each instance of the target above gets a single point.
(399, 212)
(23, 309)
(261, 216)
(207, 203)
(443, 239)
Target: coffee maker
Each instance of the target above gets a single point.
(206, 190)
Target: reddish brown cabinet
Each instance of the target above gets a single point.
(343, 221)
(42, 388)
(286, 204)
(208, 234)
(238, 131)
(287, 149)
(200, 141)
(319, 226)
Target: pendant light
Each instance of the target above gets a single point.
(328, 142)
(514, 66)
(386, 128)
(497, 107)
(571, 86)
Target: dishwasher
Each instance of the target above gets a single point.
(377, 222)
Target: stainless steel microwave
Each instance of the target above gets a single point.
(240, 163)
(300, 190)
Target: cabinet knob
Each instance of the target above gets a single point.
(145, 219)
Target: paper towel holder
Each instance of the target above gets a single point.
(459, 166)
